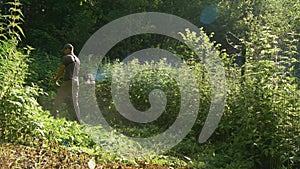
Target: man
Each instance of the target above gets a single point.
(63, 102)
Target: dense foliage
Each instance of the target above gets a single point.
(257, 131)
(258, 42)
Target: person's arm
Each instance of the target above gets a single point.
(59, 74)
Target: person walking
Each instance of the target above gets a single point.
(66, 99)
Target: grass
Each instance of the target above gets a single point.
(20, 156)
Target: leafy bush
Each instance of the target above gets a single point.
(16, 101)
(42, 67)
(259, 128)
(22, 118)
(161, 76)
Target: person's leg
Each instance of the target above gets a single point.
(64, 104)
(75, 90)
(69, 88)
(60, 100)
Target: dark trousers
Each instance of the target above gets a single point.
(66, 101)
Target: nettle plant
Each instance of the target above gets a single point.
(15, 100)
(263, 105)
(158, 75)
(22, 118)
(155, 76)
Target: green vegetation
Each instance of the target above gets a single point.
(260, 127)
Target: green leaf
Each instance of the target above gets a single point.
(15, 3)
(16, 103)
(20, 29)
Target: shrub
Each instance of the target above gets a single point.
(259, 128)
(22, 118)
